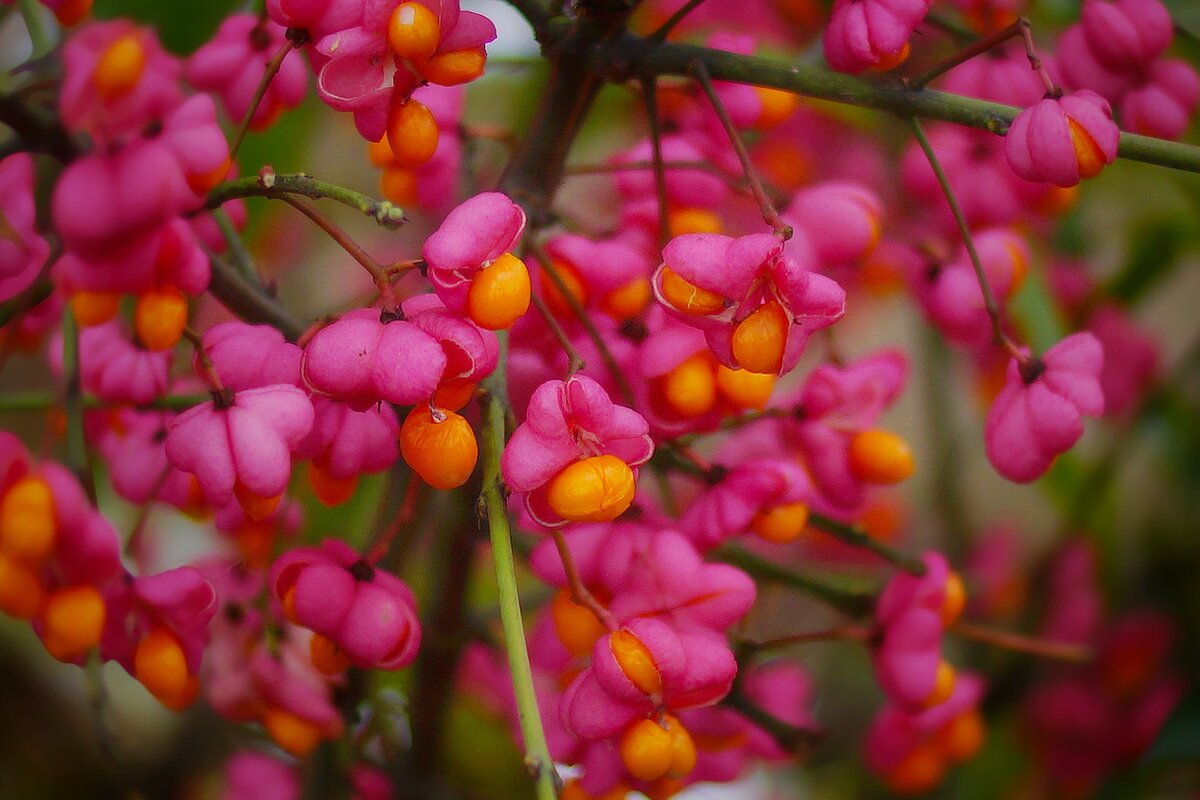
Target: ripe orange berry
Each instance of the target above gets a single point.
(20, 590)
(646, 750)
(327, 656)
(879, 456)
(160, 665)
(454, 67)
(120, 67)
(694, 220)
(399, 185)
(943, 685)
(784, 163)
(683, 749)
(94, 308)
(381, 154)
(777, 106)
(555, 299)
(961, 738)
(329, 490)
(687, 297)
(289, 604)
(293, 734)
(577, 627)
(920, 771)
(690, 389)
(413, 31)
(204, 182)
(635, 661)
(744, 389)
(74, 620)
(499, 293)
(256, 543)
(596, 489)
(955, 600)
(573, 791)
(1089, 155)
(412, 133)
(781, 523)
(441, 449)
(256, 507)
(760, 339)
(160, 317)
(28, 524)
(628, 300)
(889, 62)
(454, 394)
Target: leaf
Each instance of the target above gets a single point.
(182, 26)
(1156, 250)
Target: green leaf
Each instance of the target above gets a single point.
(1157, 247)
(1179, 739)
(182, 26)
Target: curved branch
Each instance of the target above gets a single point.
(636, 56)
(267, 183)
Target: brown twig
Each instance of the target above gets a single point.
(1063, 651)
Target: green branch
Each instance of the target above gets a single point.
(637, 56)
(537, 752)
(852, 600)
(11, 402)
(269, 184)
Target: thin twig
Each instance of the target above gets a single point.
(295, 38)
(966, 54)
(380, 274)
(989, 299)
(77, 454)
(840, 633)
(769, 214)
(580, 595)
(665, 29)
(574, 362)
(270, 184)
(857, 537)
(650, 96)
(1063, 651)
(606, 355)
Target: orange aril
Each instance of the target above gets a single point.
(413, 31)
(28, 524)
(687, 297)
(576, 627)
(499, 293)
(879, 456)
(690, 389)
(744, 389)
(160, 317)
(454, 67)
(783, 523)
(760, 339)
(412, 133)
(441, 449)
(73, 620)
(120, 67)
(595, 489)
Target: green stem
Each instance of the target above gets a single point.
(537, 752)
(857, 537)
(853, 601)
(637, 56)
(43, 401)
(251, 303)
(238, 254)
(271, 185)
(77, 456)
(32, 14)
